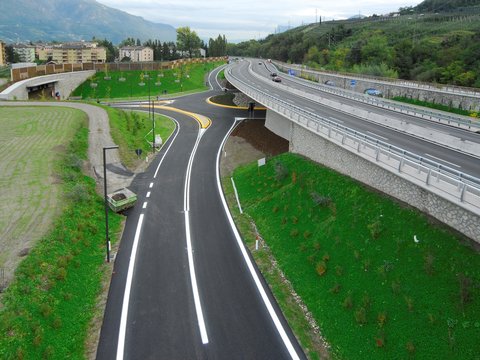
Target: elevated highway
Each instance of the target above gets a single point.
(428, 155)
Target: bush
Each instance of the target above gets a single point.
(319, 200)
(361, 316)
(321, 268)
(79, 193)
(281, 171)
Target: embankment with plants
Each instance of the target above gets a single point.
(381, 279)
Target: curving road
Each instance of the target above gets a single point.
(446, 156)
(184, 287)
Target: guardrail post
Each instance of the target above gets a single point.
(400, 165)
(462, 193)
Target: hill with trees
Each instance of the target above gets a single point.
(442, 46)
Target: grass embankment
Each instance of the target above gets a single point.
(436, 106)
(132, 130)
(48, 307)
(134, 84)
(350, 254)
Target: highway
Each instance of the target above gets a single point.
(454, 159)
(184, 287)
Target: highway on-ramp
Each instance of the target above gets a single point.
(184, 287)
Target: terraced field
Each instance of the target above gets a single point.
(31, 139)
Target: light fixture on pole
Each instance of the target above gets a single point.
(107, 237)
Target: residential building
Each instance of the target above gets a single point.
(3, 60)
(25, 53)
(136, 53)
(72, 53)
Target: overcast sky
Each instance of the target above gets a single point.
(250, 19)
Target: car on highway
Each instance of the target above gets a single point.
(374, 92)
(277, 79)
(273, 74)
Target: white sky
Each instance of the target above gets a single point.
(250, 19)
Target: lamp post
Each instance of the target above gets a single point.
(107, 238)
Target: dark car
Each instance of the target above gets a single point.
(277, 79)
(273, 74)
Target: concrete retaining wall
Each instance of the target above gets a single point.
(306, 143)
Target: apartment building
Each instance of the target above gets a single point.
(136, 53)
(25, 53)
(72, 53)
(3, 60)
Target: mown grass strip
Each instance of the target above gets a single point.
(351, 254)
(48, 306)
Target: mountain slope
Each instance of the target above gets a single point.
(64, 20)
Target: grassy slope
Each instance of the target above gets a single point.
(47, 309)
(382, 295)
(131, 130)
(130, 88)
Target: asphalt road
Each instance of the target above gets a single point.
(448, 157)
(181, 209)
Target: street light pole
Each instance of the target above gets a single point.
(107, 237)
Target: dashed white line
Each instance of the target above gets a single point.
(148, 194)
(151, 185)
(126, 295)
(381, 137)
(144, 205)
(337, 120)
(445, 161)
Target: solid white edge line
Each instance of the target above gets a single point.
(126, 296)
(258, 283)
(191, 264)
(177, 129)
(193, 278)
(445, 161)
(380, 137)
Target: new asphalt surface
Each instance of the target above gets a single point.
(179, 209)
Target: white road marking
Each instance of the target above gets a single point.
(256, 279)
(169, 146)
(337, 120)
(151, 185)
(445, 161)
(128, 287)
(191, 264)
(148, 194)
(309, 109)
(381, 137)
(144, 205)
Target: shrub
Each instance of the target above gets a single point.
(319, 200)
(321, 268)
(396, 287)
(410, 348)
(376, 229)
(79, 193)
(381, 319)
(465, 289)
(46, 310)
(294, 233)
(361, 316)
(307, 234)
(281, 171)
(380, 339)
(409, 302)
(428, 263)
(336, 288)
(339, 270)
(348, 301)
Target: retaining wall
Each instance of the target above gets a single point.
(308, 144)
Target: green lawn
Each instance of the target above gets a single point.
(128, 84)
(350, 254)
(47, 309)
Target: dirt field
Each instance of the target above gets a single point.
(250, 141)
(31, 139)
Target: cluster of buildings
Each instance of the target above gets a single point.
(72, 53)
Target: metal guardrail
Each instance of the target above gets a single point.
(386, 104)
(455, 90)
(447, 182)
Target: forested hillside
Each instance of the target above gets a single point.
(439, 47)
